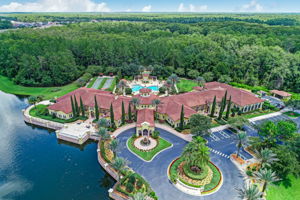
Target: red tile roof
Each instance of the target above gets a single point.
(145, 90)
(281, 93)
(145, 115)
(146, 100)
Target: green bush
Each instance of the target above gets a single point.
(131, 179)
(196, 176)
(162, 90)
(156, 134)
(129, 187)
(249, 173)
(139, 184)
(128, 91)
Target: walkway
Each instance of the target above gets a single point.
(97, 82)
(155, 172)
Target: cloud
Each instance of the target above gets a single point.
(147, 8)
(192, 8)
(56, 6)
(253, 6)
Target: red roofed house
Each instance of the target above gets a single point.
(145, 122)
(280, 94)
(169, 108)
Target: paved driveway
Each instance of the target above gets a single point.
(155, 172)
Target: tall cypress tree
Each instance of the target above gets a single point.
(223, 105)
(129, 112)
(228, 108)
(96, 108)
(112, 117)
(213, 108)
(73, 107)
(82, 108)
(136, 116)
(181, 118)
(123, 113)
(76, 107)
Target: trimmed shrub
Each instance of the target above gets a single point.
(196, 176)
(139, 184)
(128, 91)
(156, 134)
(131, 179)
(129, 187)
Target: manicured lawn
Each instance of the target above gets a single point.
(41, 111)
(287, 193)
(102, 83)
(292, 114)
(8, 86)
(163, 144)
(186, 85)
(112, 86)
(91, 83)
(257, 114)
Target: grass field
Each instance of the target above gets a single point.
(41, 111)
(91, 83)
(102, 83)
(8, 86)
(285, 193)
(163, 144)
(186, 85)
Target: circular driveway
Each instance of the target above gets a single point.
(155, 172)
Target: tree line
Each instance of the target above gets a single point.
(252, 54)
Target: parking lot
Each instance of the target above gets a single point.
(274, 101)
(224, 143)
(274, 119)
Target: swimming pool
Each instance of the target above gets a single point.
(136, 88)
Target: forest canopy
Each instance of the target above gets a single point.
(250, 53)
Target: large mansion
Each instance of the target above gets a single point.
(169, 108)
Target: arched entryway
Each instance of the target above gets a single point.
(145, 132)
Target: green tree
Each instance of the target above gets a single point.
(228, 109)
(238, 122)
(129, 112)
(266, 176)
(114, 145)
(200, 124)
(77, 109)
(73, 107)
(174, 79)
(213, 108)
(135, 102)
(82, 108)
(103, 133)
(249, 192)
(200, 81)
(103, 123)
(96, 108)
(181, 118)
(112, 117)
(265, 157)
(293, 104)
(120, 164)
(241, 138)
(196, 154)
(123, 113)
(33, 100)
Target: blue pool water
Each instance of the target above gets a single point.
(136, 88)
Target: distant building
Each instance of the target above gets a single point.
(169, 109)
(280, 94)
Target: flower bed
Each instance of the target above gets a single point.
(238, 159)
(214, 183)
(106, 153)
(148, 155)
(292, 114)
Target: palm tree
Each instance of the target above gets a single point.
(103, 133)
(33, 100)
(249, 192)
(122, 84)
(120, 164)
(174, 79)
(200, 80)
(135, 102)
(196, 154)
(103, 123)
(266, 176)
(238, 122)
(114, 145)
(156, 102)
(266, 157)
(241, 138)
(138, 196)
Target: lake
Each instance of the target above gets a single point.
(34, 165)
